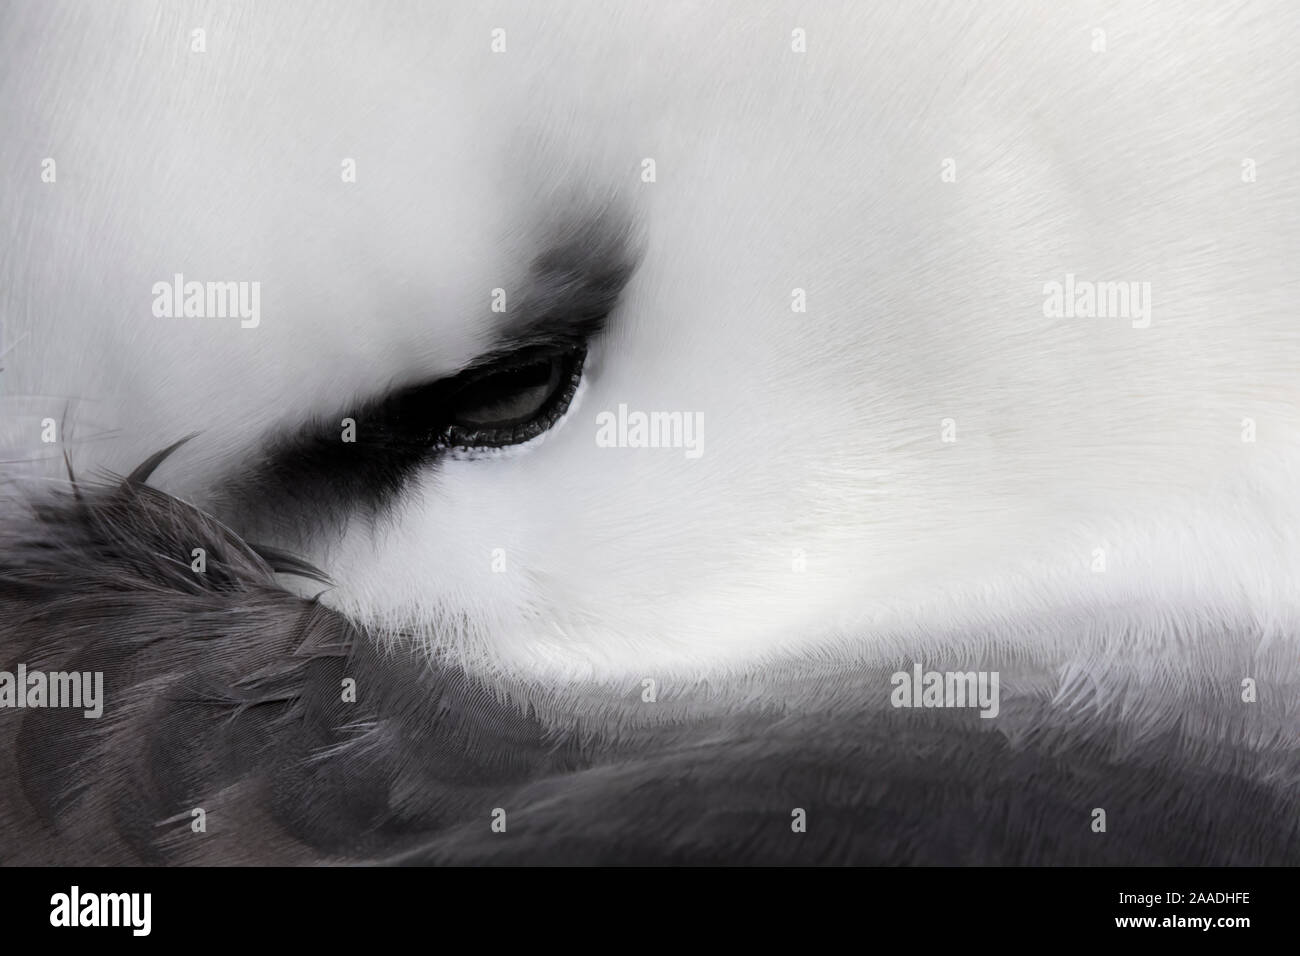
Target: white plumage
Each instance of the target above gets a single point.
(828, 514)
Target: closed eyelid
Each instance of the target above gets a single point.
(307, 474)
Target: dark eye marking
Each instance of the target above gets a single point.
(513, 393)
(505, 401)
(514, 401)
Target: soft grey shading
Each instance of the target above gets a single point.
(224, 692)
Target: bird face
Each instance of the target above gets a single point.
(583, 345)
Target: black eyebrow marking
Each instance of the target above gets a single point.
(300, 479)
(572, 289)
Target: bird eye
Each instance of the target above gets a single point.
(513, 400)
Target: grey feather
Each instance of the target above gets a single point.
(223, 693)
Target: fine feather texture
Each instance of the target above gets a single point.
(829, 234)
(1106, 140)
(226, 695)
